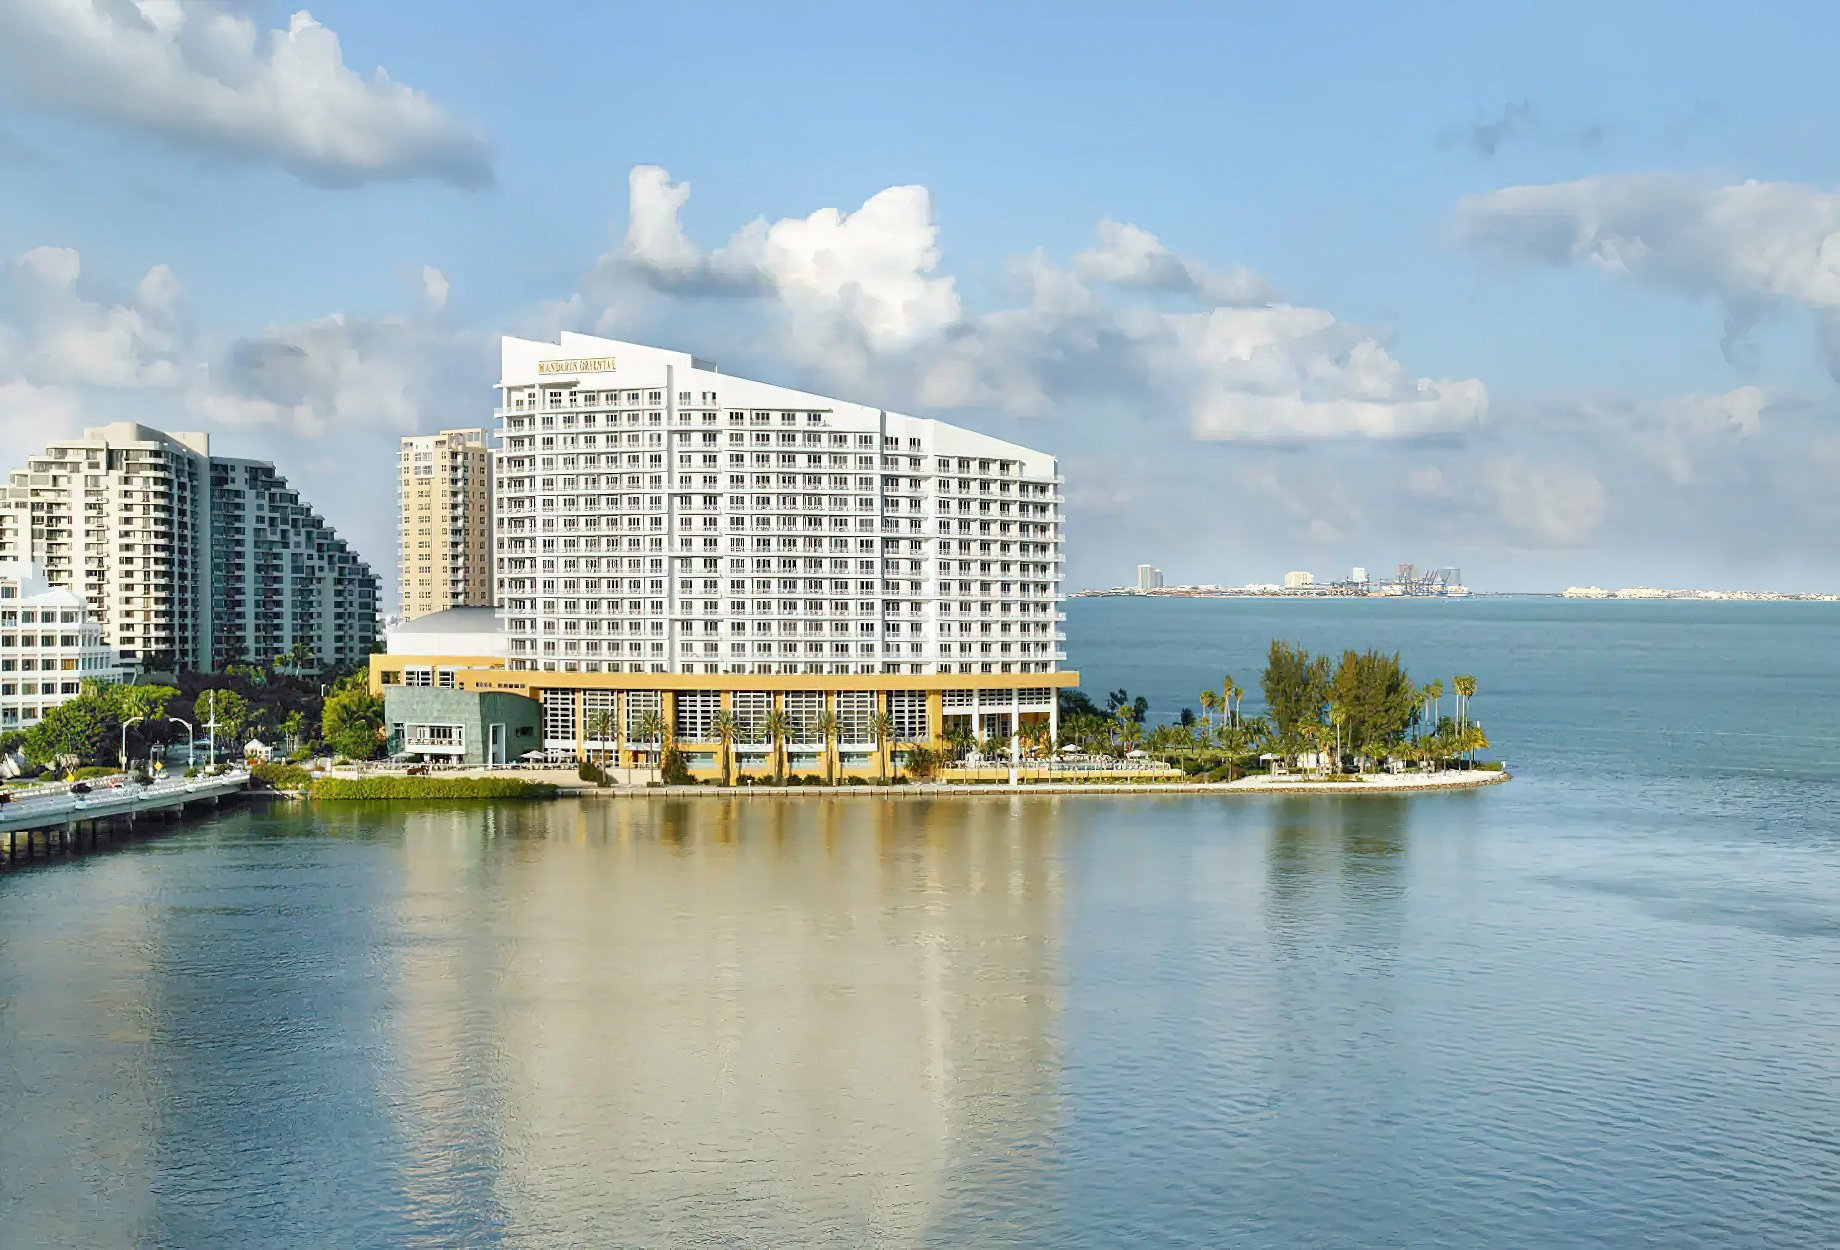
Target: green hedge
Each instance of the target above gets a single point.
(431, 788)
(282, 776)
(85, 774)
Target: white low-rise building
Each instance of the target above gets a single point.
(49, 646)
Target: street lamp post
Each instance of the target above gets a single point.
(124, 739)
(191, 747)
(212, 726)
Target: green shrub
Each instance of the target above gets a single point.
(855, 781)
(281, 776)
(593, 774)
(431, 788)
(922, 763)
(193, 771)
(672, 770)
(85, 774)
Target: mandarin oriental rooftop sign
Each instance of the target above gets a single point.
(590, 364)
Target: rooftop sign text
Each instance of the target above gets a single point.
(590, 364)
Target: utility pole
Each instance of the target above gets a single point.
(212, 726)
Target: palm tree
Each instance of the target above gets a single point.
(294, 727)
(1209, 701)
(727, 728)
(1130, 735)
(1465, 686)
(1230, 693)
(601, 728)
(881, 727)
(1323, 737)
(1037, 736)
(775, 726)
(1338, 716)
(828, 727)
(1434, 697)
(650, 728)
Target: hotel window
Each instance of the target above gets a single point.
(696, 710)
(639, 703)
(907, 708)
(855, 709)
(802, 708)
(750, 708)
(559, 718)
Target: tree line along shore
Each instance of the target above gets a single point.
(1359, 712)
(1322, 716)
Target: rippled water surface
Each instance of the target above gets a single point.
(1598, 1005)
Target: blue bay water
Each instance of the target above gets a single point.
(1595, 1006)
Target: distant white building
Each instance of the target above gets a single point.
(1298, 580)
(1358, 575)
(1586, 592)
(49, 646)
(1149, 577)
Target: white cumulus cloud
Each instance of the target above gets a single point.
(1548, 503)
(1752, 245)
(858, 299)
(1128, 256)
(203, 74)
(61, 330)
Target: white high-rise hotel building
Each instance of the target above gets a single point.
(656, 516)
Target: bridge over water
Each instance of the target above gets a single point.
(60, 820)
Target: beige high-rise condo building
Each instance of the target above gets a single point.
(444, 483)
(184, 558)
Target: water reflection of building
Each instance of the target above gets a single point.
(637, 1021)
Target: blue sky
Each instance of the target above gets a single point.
(1499, 294)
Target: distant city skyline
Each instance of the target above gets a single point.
(1552, 313)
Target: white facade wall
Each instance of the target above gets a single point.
(49, 647)
(655, 515)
